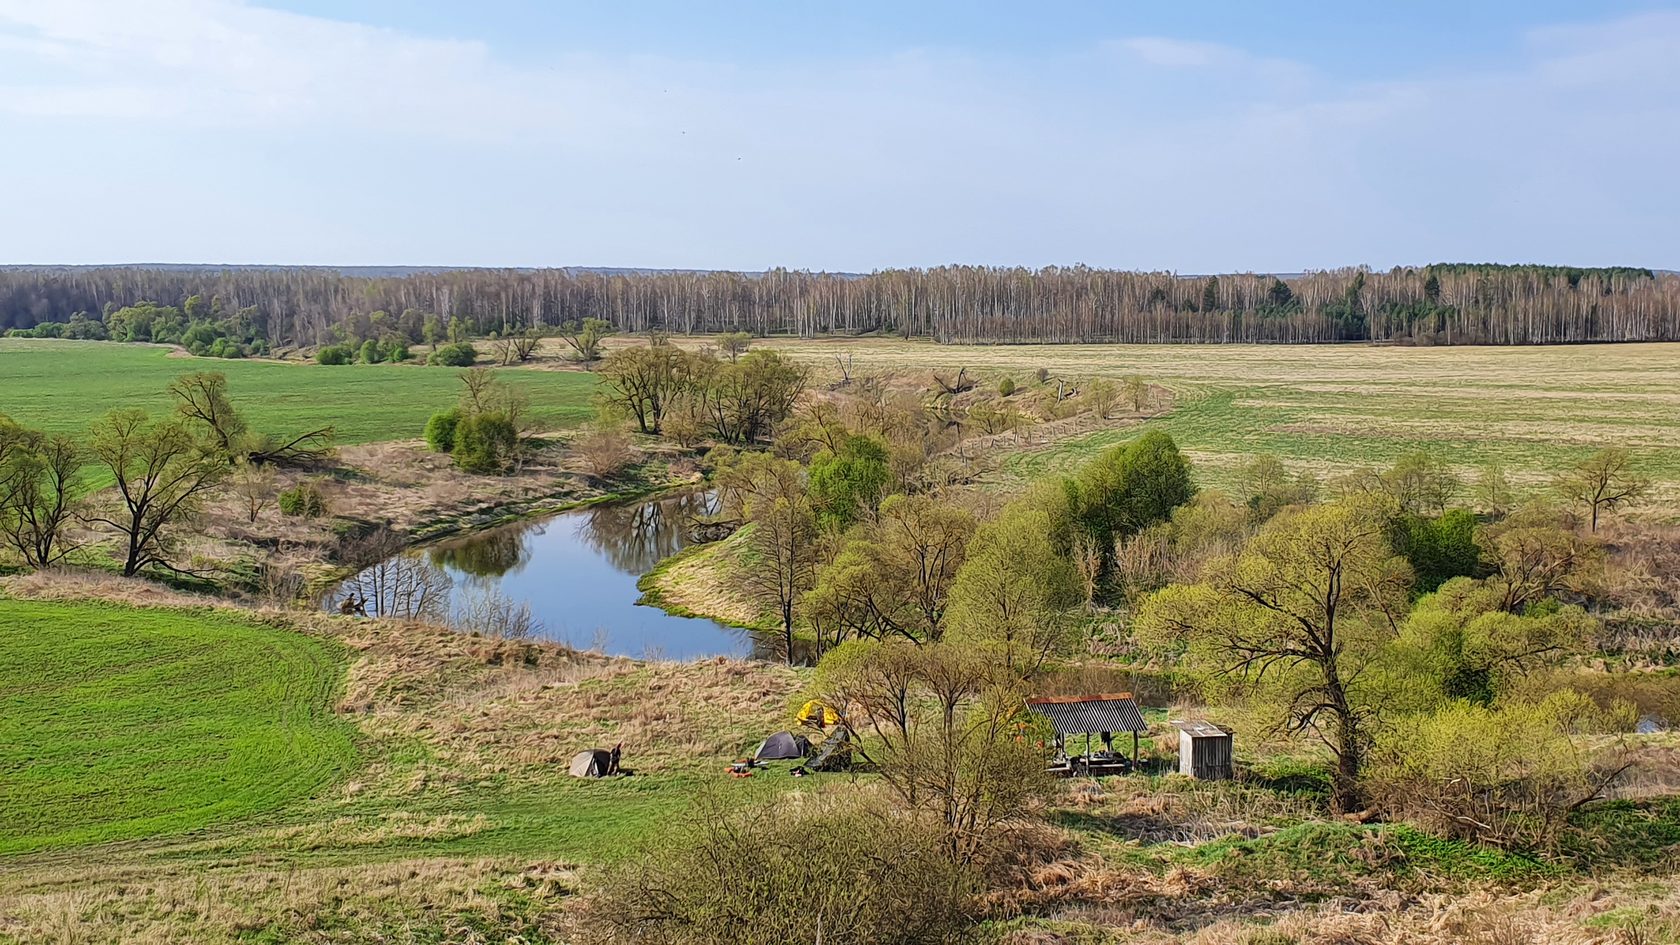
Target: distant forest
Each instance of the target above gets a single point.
(1439, 304)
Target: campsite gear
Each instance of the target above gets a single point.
(1101, 714)
(594, 763)
(740, 768)
(816, 713)
(783, 746)
(834, 752)
(1204, 749)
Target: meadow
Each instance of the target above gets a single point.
(63, 386)
(118, 723)
(1330, 408)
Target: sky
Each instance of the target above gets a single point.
(1217, 136)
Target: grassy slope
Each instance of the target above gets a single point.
(64, 385)
(119, 723)
(1326, 408)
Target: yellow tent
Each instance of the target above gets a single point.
(816, 712)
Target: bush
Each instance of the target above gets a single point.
(605, 450)
(1439, 549)
(880, 877)
(333, 354)
(303, 501)
(440, 431)
(371, 353)
(485, 443)
(459, 354)
(1006, 386)
(1510, 776)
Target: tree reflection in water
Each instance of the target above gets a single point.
(486, 556)
(634, 538)
(572, 578)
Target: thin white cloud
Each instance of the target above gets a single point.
(1152, 152)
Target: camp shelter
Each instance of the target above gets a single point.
(818, 713)
(1099, 714)
(1204, 749)
(783, 746)
(592, 763)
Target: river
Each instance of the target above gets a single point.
(577, 571)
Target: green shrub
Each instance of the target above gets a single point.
(303, 501)
(395, 350)
(1006, 386)
(485, 443)
(459, 354)
(333, 354)
(880, 876)
(371, 353)
(440, 430)
(1439, 549)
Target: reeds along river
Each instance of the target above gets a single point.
(576, 571)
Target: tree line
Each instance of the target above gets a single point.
(1438, 304)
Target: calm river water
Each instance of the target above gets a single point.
(576, 570)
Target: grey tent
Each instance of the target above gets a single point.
(594, 763)
(783, 746)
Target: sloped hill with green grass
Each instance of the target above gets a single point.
(118, 723)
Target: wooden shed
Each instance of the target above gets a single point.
(1204, 749)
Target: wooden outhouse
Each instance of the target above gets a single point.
(1204, 749)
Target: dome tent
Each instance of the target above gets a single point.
(783, 746)
(594, 763)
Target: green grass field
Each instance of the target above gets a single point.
(63, 386)
(1331, 408)
(118, 723)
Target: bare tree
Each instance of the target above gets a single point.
(254, 486)
(39, 480)
(1604, 482)
(163, 475)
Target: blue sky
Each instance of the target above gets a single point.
(1212, 136)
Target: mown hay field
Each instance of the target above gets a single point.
(118, 723)
(1330, 408)
(63, 386)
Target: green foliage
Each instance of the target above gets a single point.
(203, 329)
(734, 343)
(1006, 386)
(371, 352)
(106, 712)
(1509, 775)
(303, 500)
(440, 430)
(485, 443)
(1012, 594)
(334, 354)
(893, 576)
(748, 878)
(1131, 487)
(847, 485)
(1459, 643)
(585, 338)
(455, 354)
(1439, 548)
(1299, 622)
(1338, 854)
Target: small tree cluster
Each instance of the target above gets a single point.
(482, 433)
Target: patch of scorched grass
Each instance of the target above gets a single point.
(65, 385)
(118, 723)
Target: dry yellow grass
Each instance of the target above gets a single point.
(1330, 408)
